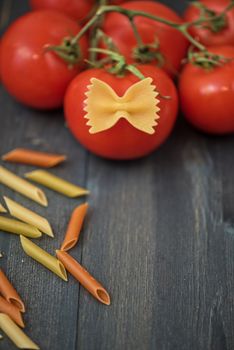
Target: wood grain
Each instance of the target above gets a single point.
(159, 236)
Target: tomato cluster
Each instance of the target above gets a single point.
(43, 65)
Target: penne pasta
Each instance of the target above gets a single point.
(56, 183)
(27, 156)
(12, 311)
(2, 209)
(83, 276)
(17, 336)
(74, 227)
(18, 227)
(9, 292)
(22, 186)
(44, 258)
(28, 216)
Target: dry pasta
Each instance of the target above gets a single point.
(83, 276)
(22, 186)
(11, 311)
(44, 258)
(27, 156)
(9, 292)
(18, 227)
(28, 216)
(56, 183)
(74, 227)
(17, 336)
(2, 209)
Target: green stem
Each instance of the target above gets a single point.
(93, 35)
(183, 28)
(203, 19)
(194, 42)
(136, 33)
(131, 14)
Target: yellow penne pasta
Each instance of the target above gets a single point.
(44, 258)
(18, 227)
(56, 183)
(28, 216)
(17, 336)
(2, 209)
(22, 186)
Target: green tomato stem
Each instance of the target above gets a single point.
(95, 22)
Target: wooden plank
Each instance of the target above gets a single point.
(156, 241)
(49, 300)
(51, 303)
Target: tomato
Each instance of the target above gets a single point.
(77, 9)
(207, 95)
(121, 141)
(206, 36)
(172, 43)
(36, 77)
(117, 2)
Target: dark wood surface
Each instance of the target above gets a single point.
(159, 236)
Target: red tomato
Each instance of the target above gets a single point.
(77, 9)
(207, 36)
(122, 141)
(173, 45)
(207, 95)
(33, 76)
(117, 2)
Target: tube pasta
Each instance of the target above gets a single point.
(28, 216)
(2, 209)
(22, 186)
(9, 292)
(18, 337)
(44, 258)
(56, 183)
(74, 227)
(83, 276)
(18, 227)
(27, 156)
(12, 311)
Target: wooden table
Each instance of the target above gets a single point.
(159, 236)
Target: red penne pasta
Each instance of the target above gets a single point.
(83, 276)
(9, 292)
(74, 227)
(12, 311)
(27, 156)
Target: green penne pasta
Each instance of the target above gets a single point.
(44, 258)
(56, 183)
(22, 186)
(18, 227)
(28, 216)
(17, 336)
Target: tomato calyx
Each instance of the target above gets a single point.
(147, 53)
(68, 50)
(211, 20)
(206, 60)
(114, 63)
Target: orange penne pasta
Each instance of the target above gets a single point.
(74, 227)
(9, 292)
(27, 156)
(83, 276)
(12, 311)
